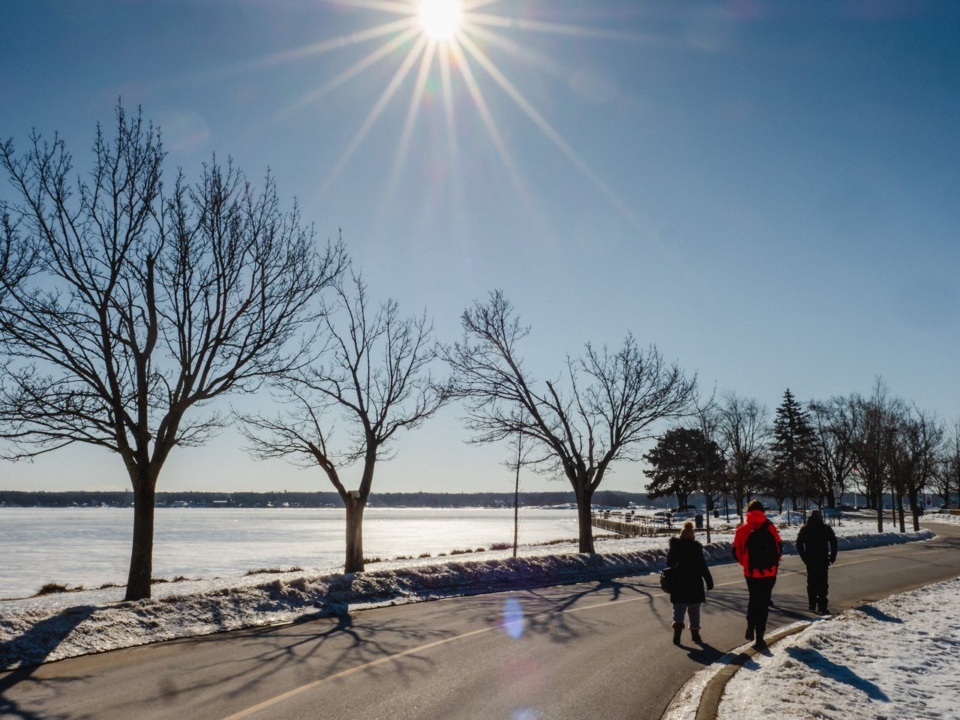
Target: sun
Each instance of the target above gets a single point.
(440, 19)
(452, 49)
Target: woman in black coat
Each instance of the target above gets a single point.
(691, 572)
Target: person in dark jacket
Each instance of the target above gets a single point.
(691, 571)
(817, 546)
(760, 580)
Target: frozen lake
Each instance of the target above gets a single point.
(91, 546)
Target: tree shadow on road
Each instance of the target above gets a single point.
(30, 650)
(10, 708)
(554, 615)
(326, 644)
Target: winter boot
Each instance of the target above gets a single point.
(677, 630)
(695, 635)
(749, 635)
(760, 643)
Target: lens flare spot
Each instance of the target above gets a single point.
(513, 622)
(522, 688)
(525, 714)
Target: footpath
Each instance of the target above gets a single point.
(894, 658)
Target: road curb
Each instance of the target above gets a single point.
(713, 692)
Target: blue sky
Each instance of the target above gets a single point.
(769, 192)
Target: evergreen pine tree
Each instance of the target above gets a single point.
(793, 451)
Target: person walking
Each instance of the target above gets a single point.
(685, 555)
(817, 546)
(758, 548)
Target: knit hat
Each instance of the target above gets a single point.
(687, 533)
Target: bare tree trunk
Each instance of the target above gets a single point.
(141, 557)
(879, 500)
(355, 505)
(584, 504)
(915, 507)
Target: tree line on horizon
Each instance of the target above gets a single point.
(248, 499)
(129, 308)
(810, 454)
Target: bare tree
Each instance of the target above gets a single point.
(577, 430)
(902, 466)
(922, 439)
(140, 310)
(875, 424)
(711, 455)
(373, 373)
(745, 431)
(833, 424)
(946, 480)
(17, 254)
(773, 484)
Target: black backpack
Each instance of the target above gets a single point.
(762, 551)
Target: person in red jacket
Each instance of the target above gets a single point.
(758, 548)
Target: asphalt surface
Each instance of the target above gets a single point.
(595, 650)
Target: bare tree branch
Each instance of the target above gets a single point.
(124, 310)
(373, 374)
(580, 429)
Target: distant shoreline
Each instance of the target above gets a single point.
(420, 500)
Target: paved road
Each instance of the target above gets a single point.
(597, 650)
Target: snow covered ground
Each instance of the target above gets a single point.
(895, 658)
(824, 670)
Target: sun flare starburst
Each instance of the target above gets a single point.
(462, 50)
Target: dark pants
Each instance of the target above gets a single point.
(817, 586)
(758, 606)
